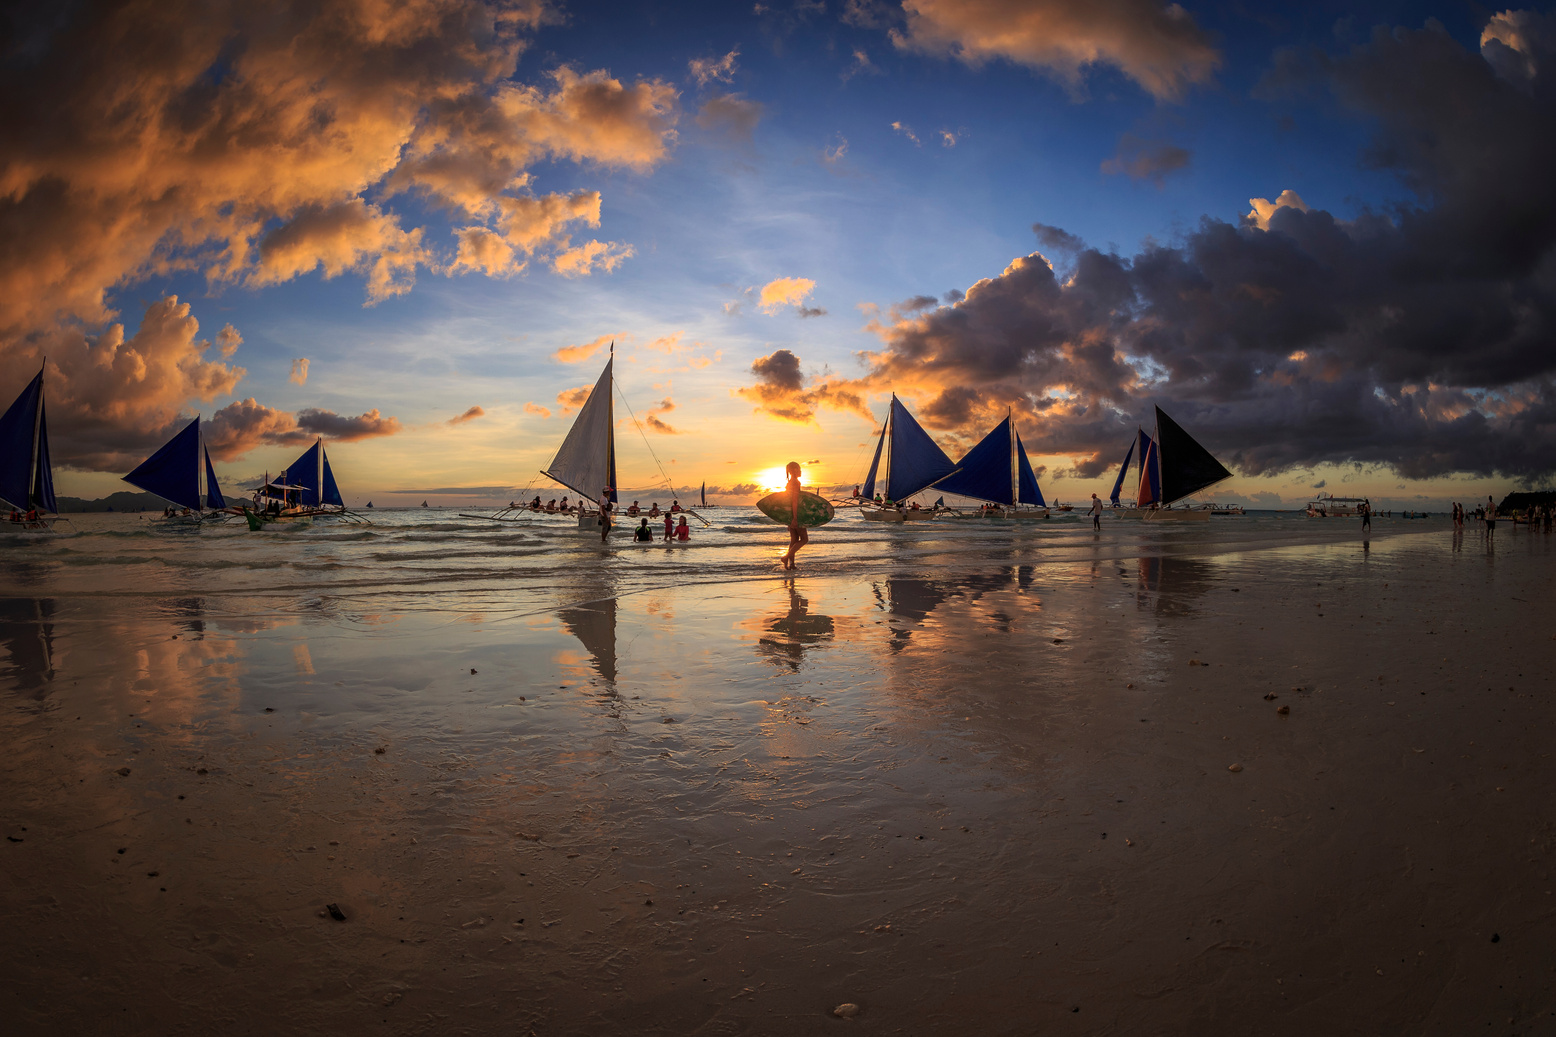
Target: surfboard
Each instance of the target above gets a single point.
(814, 510)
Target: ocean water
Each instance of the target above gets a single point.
(434, 559)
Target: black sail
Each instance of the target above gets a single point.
(1186, 466)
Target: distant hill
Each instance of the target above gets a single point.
(1525, 500)
(124, 500)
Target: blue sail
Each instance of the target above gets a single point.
(331, 491)
(917, 463)
(1150, 473)
(26, 480)
(1118, 485)
(312, 473)
(213, 494)
(875, 464)
(173, 472)
(985, 470)
(1031, 493)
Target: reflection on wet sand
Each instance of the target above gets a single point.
(912, 600)
(594, 624)
(1174, 581)
(787, 636)
(27, 632)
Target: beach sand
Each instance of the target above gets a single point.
(1047, 797)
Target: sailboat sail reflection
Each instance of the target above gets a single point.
(27, 634)
(594, 624)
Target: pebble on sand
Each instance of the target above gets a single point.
(123, 772)
(1236, 767)
(1283, 710)
(846, 1010)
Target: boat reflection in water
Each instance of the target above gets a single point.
(912, 600)
(1169, 583)
(27, 632)
(594, 624)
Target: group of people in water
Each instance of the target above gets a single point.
(30, 515)
(563, 507)
(1538, 517)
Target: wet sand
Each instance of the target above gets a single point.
(982, 803)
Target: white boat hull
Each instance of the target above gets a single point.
(883, 514)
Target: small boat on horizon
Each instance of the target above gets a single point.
(26, 476)
(1327, 505)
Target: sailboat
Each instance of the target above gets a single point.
(1173, 466)
(997, 471)
(907, 461)
(306, 490)
(704, 496)
(26, 478)
(180, 472)
(1144, 442)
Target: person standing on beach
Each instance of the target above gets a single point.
(798, 536)
(1491, 515)
(1366, 510)
(605, 513)
(1096, 512)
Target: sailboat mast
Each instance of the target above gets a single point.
(199, 463)
(37, 426)
(610, 426)
(891, 414)
(1015, 472)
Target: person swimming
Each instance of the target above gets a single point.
(643, 534)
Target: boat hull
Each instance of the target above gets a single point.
(882, 514)
(1176, 515)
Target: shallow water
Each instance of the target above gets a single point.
(971, 776)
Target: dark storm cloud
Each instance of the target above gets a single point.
(1419, 336)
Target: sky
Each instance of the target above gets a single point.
(1321, 236)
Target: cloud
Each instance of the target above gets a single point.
(113, 399)
(253, 144)
(907, 132)
(469, 415)
(1416, 339)
(670, 343)
(1156, 45)
(707, 70)
(245, 424)
(346, 429)
(1263, 208)
(784, 292)
(730, 114)
(228, 340)
(580, 353)
(584, 259)
(780, 391)
(537, 410)
(652, 420)
(571, 399)
(833, 154)
(299, 375)
(1144, 159)
(947, 139)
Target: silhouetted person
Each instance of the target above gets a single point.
(798, 535)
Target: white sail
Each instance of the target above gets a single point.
(586, 463)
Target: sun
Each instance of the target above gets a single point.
(770, 480)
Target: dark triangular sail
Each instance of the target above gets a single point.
(26, 478)
(875, 464)
(1031, 493)
(1186, 466)
(305, 474)
(1118, 484)
(916, 461)
(213, 493)
(331, 493)
(984, 472)
(173, 472)
(586, 461)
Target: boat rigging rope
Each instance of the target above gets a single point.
(675, 494)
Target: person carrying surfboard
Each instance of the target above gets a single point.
(798, 536)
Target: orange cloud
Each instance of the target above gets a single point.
(652, 420)
(780, 391)
(572, 399)
(469, 415)
(1158, 46)
(299, 375)
(591, 256)
(785, 291)
(579, 353)
(240, 427)
(705, 70)
(537, 410)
